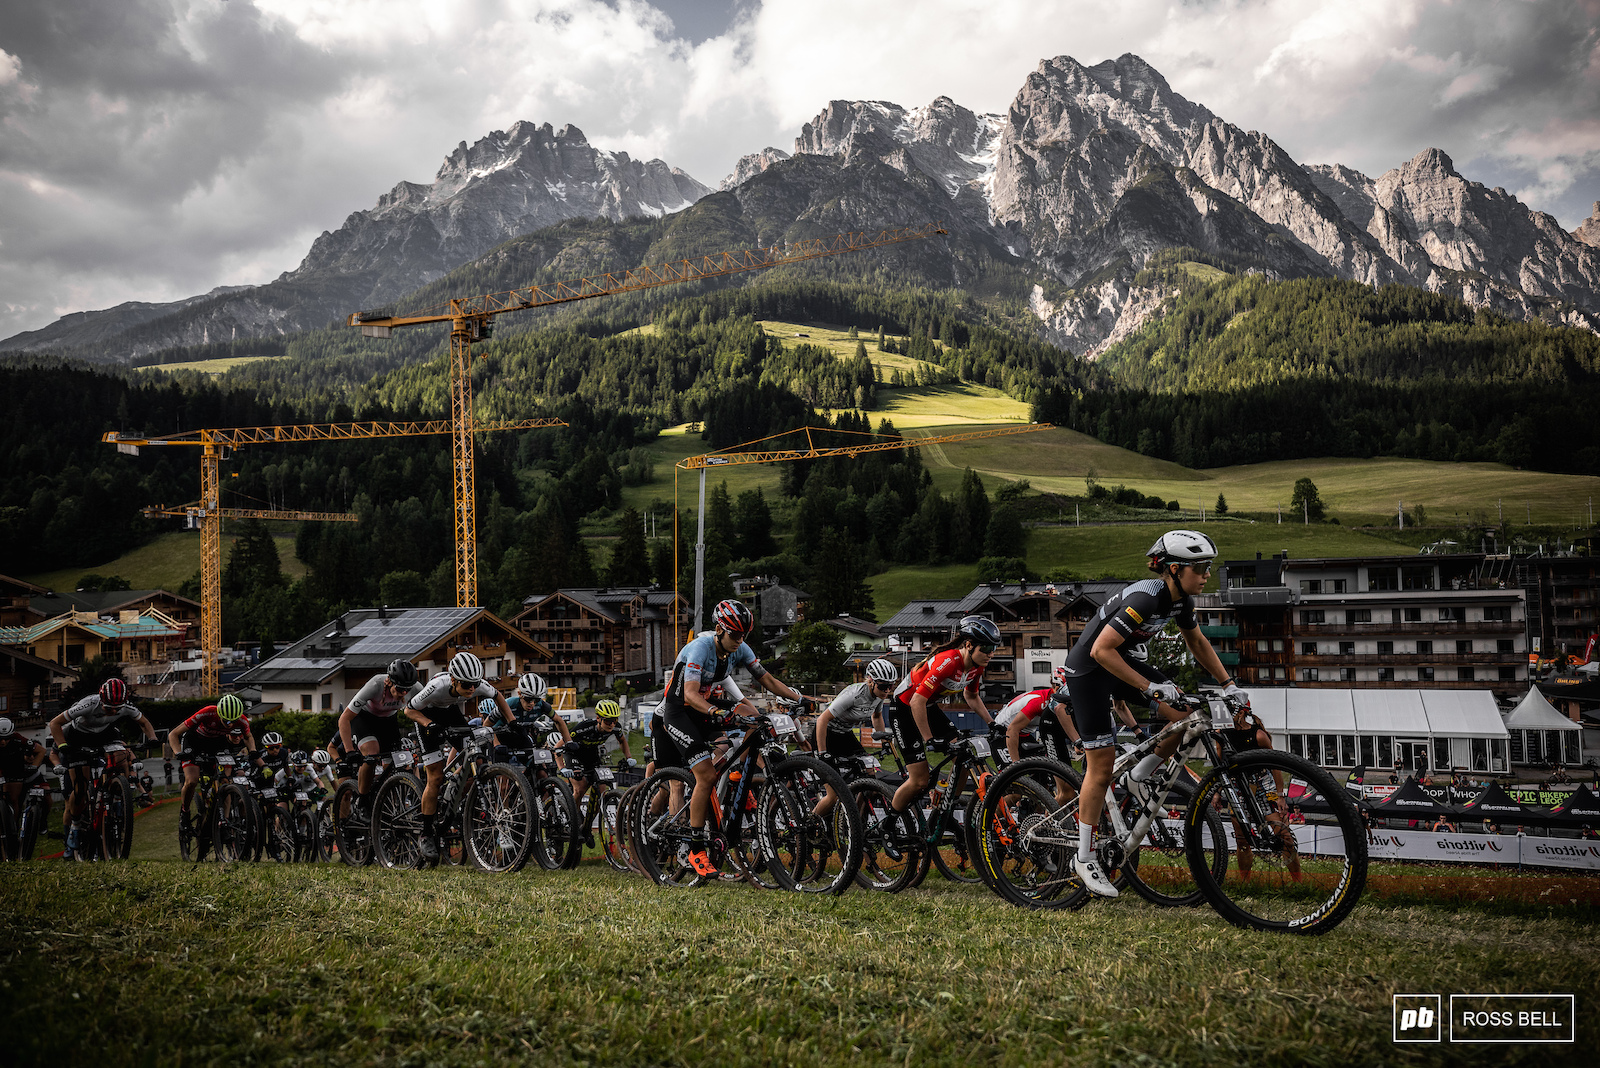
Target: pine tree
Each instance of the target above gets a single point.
(630, 564)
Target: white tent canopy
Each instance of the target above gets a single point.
(1535, 713)
(1451, 713)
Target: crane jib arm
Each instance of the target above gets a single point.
(267, 435)
(661, 274)
(694, 463)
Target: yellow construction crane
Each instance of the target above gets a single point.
(472, 319)
(706, 461)
(207, 513)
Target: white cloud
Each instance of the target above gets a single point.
(151, 149)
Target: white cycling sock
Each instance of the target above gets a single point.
(1085, 837)
(1142, 770)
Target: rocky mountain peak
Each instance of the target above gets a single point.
(751, 165)
(1589, 231)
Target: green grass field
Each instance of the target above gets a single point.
(158, 962)
(164, 564)
(837, 339)
(210, 367)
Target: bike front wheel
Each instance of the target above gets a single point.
(610, 831)
(397, 821)
(277, 836)
(116, 828)
(1027, 839)
(555, 825)
(806, 852)
(497, 819)
(661, 828)
(1278, 875)
(233, 832)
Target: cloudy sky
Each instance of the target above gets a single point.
(154, 149)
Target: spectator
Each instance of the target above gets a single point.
(1443, 826)
(166, 766)
(1490, 827)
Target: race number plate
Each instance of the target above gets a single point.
(980, 747)
(224, 760)
(302, 795)
(483, 736)
(242, 780)
(36, 792)
(543, 756)
(870, 763)
(269, 794)
(115, 747)
(605, 774)
(782, 724)
(402, 759)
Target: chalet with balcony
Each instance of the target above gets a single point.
(597, 635)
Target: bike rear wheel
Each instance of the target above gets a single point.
(116, 826)
(33, 817)
(397, 821)
(352, 834)
(809, 853)
(232, 830)
(892, 845)
(1278, 876)
(555, 824)
(955, 856)
(277, 835)
(611, 831)
(305, 836)
(1027, 841)
(661, 827)
(497, 819)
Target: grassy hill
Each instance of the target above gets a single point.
(166, 562)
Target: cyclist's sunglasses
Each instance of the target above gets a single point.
(1202, 568)
(983, 647)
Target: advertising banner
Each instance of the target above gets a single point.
(1529, 851)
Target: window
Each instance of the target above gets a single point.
(1313, 749)
(1416, 578)
(1467, 674)
(1277, 673)
(1308, 648)
(1386, 674)
(1039, 641)
(1424, 648)
(1480, 754)
(1310, 585)
(1041, 667)
(1464, 647)
(1500, 614)
(1347, 750)
(1347, 674)
(1441, 752)
(1347, 648)
(1337, 584)
(1277, 645)
(1552, 746)
(1297, 746)
(1385, 751)
(74, 655)
(1413, 615)
(1360, 615)
(1386, 648)
(1516, 747)
(305, 702)
(1330, 749)
(1424, 674)
(1313, 616)
(327, 702)
(1569, 746)
(1497, 754)
(1261, 645)
(1508, 673)
(1383, 578)
(1505, 645)
(1308, 675)
(1452, 615)
(1366, 750)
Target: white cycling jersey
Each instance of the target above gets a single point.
(854, 706)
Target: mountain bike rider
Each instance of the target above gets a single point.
(918, 723)
(859, 704)
(1105, 665)
(21, 765)
(534, 717)
(444, 702)
(82, 733)
(584, 751)
(369, 726)
(691, 720)
(205, 734)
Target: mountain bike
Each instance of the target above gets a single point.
(352, 831)
(556, 826)
(883, 864)
(597, 816)
(486, 813)
(22, 833)
(761, 822)
(226, 811)
(915, 841)
(1242, 854)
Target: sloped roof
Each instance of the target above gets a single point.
(55, 602)
(12, 652)
(1534, 712)
(149, 625)
(853, 625)
(608, 601)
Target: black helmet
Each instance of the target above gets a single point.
(978, 629)
(402, 673)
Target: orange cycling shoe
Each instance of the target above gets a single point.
(700, 861)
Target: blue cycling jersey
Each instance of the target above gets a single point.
(702, 662)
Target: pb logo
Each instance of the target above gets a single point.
(1417, 1018)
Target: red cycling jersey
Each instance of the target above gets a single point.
(207, 724)
(940, 674)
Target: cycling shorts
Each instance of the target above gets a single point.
(583, 759)
(842, 741)
(82, 747)
(663, 750)
(913, 749)
(1057, 746)
(385, 730)
(691, 733)
(433, 737)
(1092, 695)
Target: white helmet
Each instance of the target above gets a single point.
(881, 670)
(553, 740)
(531, 686)
(321, 756)
(1181, 547)
(464, 667)
(138, 767)
(6, 729)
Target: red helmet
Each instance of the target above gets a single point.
(733, 616)
(113, 692)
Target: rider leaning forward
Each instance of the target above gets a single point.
(1108, 664)
(82, 733)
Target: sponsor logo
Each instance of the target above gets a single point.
(1567, 851)
(1408, 801)
(1418, 1018)
(1135, 616)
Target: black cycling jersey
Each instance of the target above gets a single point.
(1138, 613)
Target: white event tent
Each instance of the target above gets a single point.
(1438, 730)
(1539, 732)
